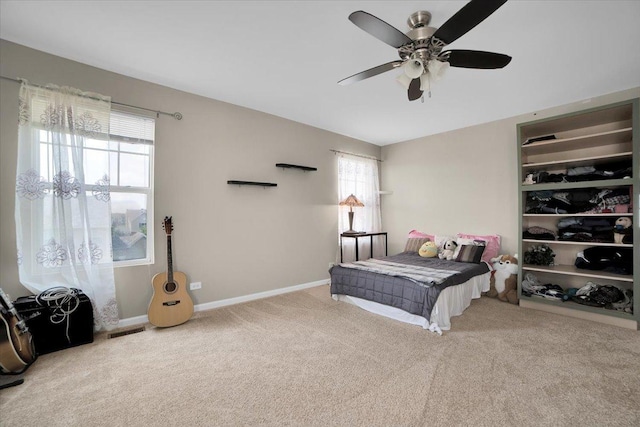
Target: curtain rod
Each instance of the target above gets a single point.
(176, 115)
(357, 155)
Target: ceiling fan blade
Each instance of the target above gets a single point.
(370, 72)
(476, 59)
(379, 29)
(466, 18)
(414, 91)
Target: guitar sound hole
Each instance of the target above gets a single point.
(170, 287)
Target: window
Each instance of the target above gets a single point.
(359, 176)
(128, 158)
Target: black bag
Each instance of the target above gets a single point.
(614, 260)
(57, 323)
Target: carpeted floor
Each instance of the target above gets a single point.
(302, 359)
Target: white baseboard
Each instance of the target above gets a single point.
(131, 321)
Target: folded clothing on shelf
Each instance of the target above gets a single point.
(539, 233)
(618, 170)
(585, 200)
(585, 229)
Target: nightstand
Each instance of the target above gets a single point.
(370, 236)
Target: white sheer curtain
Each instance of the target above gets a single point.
(359, 176)
(63, 212)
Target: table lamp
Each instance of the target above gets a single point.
(351, 201)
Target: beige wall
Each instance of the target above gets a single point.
(462, 181)
(235, 240)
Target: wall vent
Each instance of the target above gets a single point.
(127, 332)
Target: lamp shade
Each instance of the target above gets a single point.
(437, 68)
(404, 80)
(351, 201)
(413, 68)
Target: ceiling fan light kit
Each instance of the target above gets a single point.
(413, 68)
(420, 49)
(404, 80)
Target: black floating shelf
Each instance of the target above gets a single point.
(304, 168)
(261, 184)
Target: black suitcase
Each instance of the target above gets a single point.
(57, 323)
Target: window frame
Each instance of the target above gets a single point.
(148, 191)
(124, 189)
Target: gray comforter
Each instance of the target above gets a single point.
(412, 283)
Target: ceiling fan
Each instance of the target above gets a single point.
(420, 50)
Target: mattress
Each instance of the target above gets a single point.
(451, 302)
(414, 294)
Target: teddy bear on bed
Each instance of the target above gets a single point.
(448, 250)
(504, 279)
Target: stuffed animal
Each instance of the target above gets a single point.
(529, 179)
(448, 250)
(623, 231)
(428, 250)
(504, 279)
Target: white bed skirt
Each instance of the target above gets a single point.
(452, 301)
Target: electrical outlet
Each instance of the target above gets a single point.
(195, 285)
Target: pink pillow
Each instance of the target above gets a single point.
(415, 234)
(492, 249)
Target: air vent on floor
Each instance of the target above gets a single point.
(127, 332)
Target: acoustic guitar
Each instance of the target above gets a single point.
(17, 350)
(171, 304)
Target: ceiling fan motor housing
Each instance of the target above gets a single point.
(419, 19)
(423, 47)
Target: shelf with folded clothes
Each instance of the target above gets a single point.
(584, 260)
(579, 229)
(579, 169)
(601, 295)
(584, 201)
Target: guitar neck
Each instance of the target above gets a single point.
(6, 303)
(169, 260)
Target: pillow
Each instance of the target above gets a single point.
(420, 234)
(493, 244)
(414, 243)
(470, 253)
(465, 241)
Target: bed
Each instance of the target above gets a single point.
(410, 288)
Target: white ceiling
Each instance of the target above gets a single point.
(285, 57)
